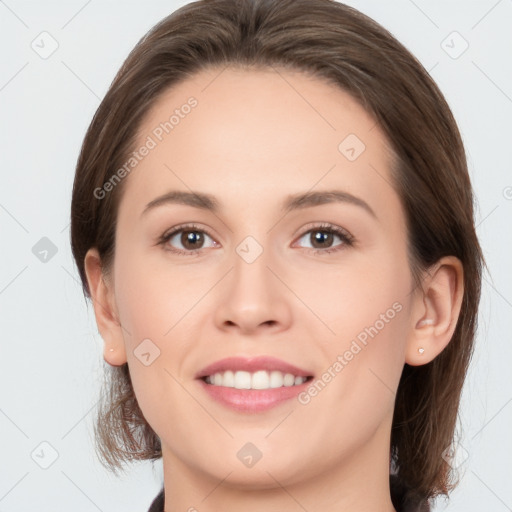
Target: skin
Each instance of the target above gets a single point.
(254, 138)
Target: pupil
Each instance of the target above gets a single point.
(322, 236)
(192, 237)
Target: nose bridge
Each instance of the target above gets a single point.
(251, 273)
(253, 295)
(253, 252)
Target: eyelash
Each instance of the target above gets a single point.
(344, 235)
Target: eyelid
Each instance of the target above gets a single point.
(346, 236)
(182, 227)
(167, 235)
(326, 226)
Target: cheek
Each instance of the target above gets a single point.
(152, 299)
(152, 305)
(356, 387)
(357, 295)
(367, 306)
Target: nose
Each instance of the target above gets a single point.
(253, 296)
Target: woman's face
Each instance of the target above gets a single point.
(262, 275)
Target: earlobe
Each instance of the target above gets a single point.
(102, 296)
(436, 311)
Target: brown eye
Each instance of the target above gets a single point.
(186, 240)
(322, 238)
(191, 239)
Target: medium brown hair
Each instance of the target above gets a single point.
(335, 42)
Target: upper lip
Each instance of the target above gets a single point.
(252, 364)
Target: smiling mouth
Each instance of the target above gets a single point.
(259, 380)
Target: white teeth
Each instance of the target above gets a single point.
(228, 379)
(257, 380)
(276, 380)
(289, 379)
(242, 380)
(260, 380)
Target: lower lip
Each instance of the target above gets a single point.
(252, 400)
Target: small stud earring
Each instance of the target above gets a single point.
(111, 350)
(421, 350)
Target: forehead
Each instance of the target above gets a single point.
(254, 131)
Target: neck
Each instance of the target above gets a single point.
(354, 482)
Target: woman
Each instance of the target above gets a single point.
(273, 217)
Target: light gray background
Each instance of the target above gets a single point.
(51, 357)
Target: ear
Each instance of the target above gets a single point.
(435, 311)
(105, 311)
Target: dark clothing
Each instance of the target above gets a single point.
(397, 497)
(158, 503)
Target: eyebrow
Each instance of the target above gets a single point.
(292, 202)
